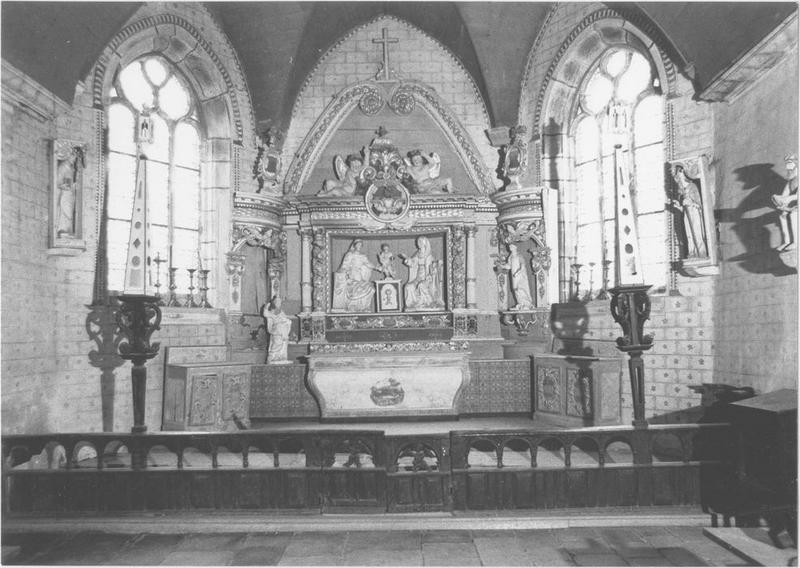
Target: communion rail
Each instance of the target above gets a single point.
(366, 469)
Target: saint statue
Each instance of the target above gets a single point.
(352, 288)
(519, 279)
(786, 203)
(67, 175)
(424, 288)
(278, 326)
(422, 173)
(692, 204)
(386, 261)
(348, 171)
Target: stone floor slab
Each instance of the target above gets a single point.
(450, 554)
(210, 541)
(383, 558)
(85, 549)
(599, 560)
(269, 540)
(502, 551)
(315, 544)
(199, 558)
(258, 556)
(446, 536)
(310, 561)
(390, 541)
(679, 556)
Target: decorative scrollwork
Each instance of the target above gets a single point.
(524, 230)
(403, 101)
(458, 251)
(138, 317)
(371, 102)
(318, 271)
(630, 309)
(407, 347)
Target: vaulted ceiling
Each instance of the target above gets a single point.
(278, 43)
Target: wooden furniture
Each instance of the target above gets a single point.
(577, 391)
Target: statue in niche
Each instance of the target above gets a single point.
(278, 326)
(691, 203)
(352, 287)
(519, 279)
(786, 203)
(386, 261)
(422, 173)
(268, 161)
(68, 173)
(349, 173)
(424, 288)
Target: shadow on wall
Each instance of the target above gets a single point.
(752, 217)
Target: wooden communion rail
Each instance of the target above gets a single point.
(327, 470)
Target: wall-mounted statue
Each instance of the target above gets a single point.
(422, 173)
(520, 286)
(268, 161)
(349, 173)
(424, 288)
(691, 202)
(278, 326)
(786, 203)
(352, 288)
(70, 162)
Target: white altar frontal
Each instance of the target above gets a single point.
(381, 380)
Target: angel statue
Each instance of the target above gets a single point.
(349, 171)
(422, 173)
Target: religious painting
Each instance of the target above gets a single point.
(388, 294)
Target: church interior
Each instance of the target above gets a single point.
(400, 257)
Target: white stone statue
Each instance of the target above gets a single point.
(786, 203)
(692, 204)
(424, 288)
(422, 173)
(519, 279)
(386, 261)
(278, 326)
(67, 175)
(352, 288)
(348, 171)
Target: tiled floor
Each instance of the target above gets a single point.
(621, 546)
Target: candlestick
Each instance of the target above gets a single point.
(190, 303)
(159, 261)
(203, 287)
(576, 273)
(173, 297)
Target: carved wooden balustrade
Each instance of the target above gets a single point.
(334, 469)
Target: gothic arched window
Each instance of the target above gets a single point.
(149, 86)
(619, 103)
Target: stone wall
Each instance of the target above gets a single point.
(755, 300)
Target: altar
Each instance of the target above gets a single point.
(381, 380)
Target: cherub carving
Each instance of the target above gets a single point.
(349, 173)
(422, 173)
(386, 260)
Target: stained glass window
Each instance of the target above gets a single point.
(620, 103)
(150, 87)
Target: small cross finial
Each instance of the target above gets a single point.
(385, 40)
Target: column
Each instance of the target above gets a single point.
(305, 270)
(471, 282)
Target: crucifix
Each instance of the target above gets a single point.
(385, 40)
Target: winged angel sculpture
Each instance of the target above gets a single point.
(349, 172)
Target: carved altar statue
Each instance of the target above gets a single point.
(424, 288)
(278, 326)
(386, 261)
(519, 279)
(786, 203)
(422, 173)
(348, 171)
(352, 288)
(692, 205)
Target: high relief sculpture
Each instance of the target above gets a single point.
(349, 172)
(268, 161)
(422, 173)
(424, 288)
(786, 203)
(352, 288)
(691, 203)
(278, 326)
(520, 285)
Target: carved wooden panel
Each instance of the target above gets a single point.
(579, 393)
(548, 389)
(236, 396)
(204, 400)
(174, 400)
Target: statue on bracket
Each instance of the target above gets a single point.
(691, 203)
(520, 285)
(424, 288)
(352, 173)
(278, 326)
(70, 162)
(268, 161)
(352, 288)
(422, 173)
(786, 203)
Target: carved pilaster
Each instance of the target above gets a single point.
(470, 231)
(277, 263)
(306, 236)
(458, 254)
(318, 270)
(235, 269)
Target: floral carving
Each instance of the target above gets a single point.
(429, 346)
(579, 393)
(548, 389)
(458, 254)
(318, 272)
(403, 101)
(371, 102)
